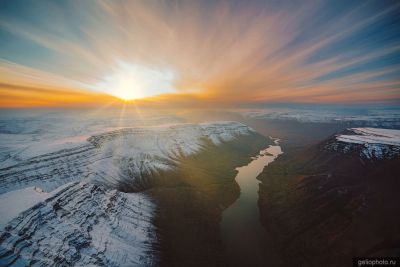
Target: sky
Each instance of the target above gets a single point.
(79, 53)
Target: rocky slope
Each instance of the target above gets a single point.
(189, 213)
(79, 216)
(327, 203)
(368, 143)
(81, 225)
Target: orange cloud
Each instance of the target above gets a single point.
(221, 52)
(14, 96)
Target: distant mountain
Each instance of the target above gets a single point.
(386, 118)
(327, 203)
(69, 207)
(368, 143)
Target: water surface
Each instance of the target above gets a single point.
(246, 241)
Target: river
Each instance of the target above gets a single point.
(246, 241)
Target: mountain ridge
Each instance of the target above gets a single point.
(317, 200)
(89, 221)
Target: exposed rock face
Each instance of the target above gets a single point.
(131, 159)
(126, 157)
(328, 203)
(82, 219)
(82, 225)
(189, 213)
(50, 171)
(368, 143)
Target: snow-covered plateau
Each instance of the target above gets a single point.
(64, 208)
(370, 143)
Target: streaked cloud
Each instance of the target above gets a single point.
(220, 51)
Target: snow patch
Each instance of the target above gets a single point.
(130, 154)
(369, 143)
(372, 136)
(14, 202)
(82, 225)
(73, 222)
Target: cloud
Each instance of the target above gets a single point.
(223, 51)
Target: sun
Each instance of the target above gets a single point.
(132, 81)
(127, 87)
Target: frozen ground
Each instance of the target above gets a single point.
(370, 143)
(59, 204)
(28, 133)
(82, 225)
(124, 157)
(371, 136)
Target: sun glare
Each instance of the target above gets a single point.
(132, 81)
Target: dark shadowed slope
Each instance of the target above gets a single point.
(328, 203)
